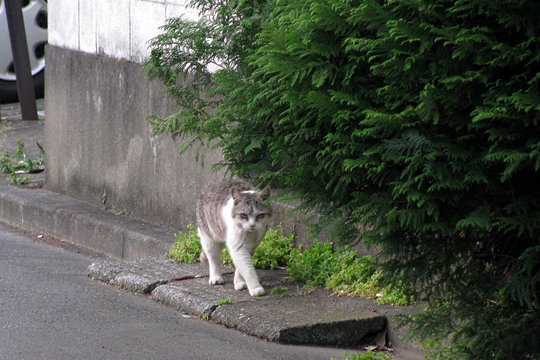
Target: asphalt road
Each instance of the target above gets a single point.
(49, 309)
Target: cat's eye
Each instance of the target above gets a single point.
(243, 216)
(260, 216)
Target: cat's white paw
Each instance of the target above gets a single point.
(240, 285)
(258, 291)
(216, 280)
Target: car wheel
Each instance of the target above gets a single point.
(35, 23)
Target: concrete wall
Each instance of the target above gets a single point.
(101, 149)
(99, 146)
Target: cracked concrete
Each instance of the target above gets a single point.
(294, 316)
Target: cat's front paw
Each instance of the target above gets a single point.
(240, 285)
(216, 280)
(258, 291)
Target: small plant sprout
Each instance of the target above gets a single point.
(224, 301)
(278, 291)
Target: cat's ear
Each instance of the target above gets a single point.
(265, 194)
(235, 193)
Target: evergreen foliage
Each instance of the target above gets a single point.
(416, 121)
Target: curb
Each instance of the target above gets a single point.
(292, 317)
(80, 223)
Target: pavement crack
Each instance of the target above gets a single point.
(182, 278)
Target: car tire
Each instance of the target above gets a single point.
(8, 89)
(35, 17)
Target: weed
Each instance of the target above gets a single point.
(224, 301)
(316, 264)
(321, 265)
(370, 355)
(345, 273)
(273, 251)
(278, 291)
(226, 258)
(187, 247)
(21, 164)
(18, 179)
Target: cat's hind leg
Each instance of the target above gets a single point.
(212, 250)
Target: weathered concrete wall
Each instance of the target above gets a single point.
(100, 147)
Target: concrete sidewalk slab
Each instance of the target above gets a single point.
(303, 319)
(144, 275)
(197, 297)
(289, 315)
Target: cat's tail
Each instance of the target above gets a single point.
(202, 257)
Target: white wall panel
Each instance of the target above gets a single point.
(116, 28)
(113, 28)
(177, 9)
(146, 18)
(63, 23)
(87, 26)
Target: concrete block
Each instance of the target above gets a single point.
(337, 321)
(36, 212)
(143, 275)
(141, 241)
(11, 211)
(197, 297)
(189, 300)
(63, 227)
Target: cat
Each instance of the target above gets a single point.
(232, 213)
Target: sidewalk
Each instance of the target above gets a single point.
(135, 263)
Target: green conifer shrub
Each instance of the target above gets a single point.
(415, 124)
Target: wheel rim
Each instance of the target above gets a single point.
(35, 24)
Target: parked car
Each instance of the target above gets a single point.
(35, 23)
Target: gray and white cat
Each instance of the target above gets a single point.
(233, 213)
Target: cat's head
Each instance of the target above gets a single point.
(249, 211)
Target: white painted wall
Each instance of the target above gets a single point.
(117, 28)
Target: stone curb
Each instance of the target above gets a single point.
(80, 223)
(293, 316)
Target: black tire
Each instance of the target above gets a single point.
(8, 89)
